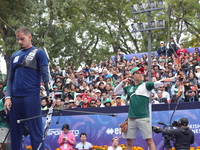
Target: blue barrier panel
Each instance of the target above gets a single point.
(102, 128)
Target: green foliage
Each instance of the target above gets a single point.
(92, 30)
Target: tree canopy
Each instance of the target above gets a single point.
(92, 30)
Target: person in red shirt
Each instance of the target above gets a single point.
(85, 103)
(182, 50)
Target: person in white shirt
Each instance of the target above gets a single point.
(165, 94)
(115, 143)
(197, 73)
(83, 144)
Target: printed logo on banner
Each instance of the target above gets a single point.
(58, 131)
(115, 131)
(110, 131)
(195, 128)
(54, 132)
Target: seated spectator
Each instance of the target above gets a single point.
(77, 90)
(73, 79)
(156, 68)
(153, 72)
(190, 96)
(114, 75)
(103, 96)
(171, 69)
(59, 85)
(99, 104)
(58, 104)
(191, 79)
(145, 68)
(91, 78)
(160, 98)
(106, 74)
(197, 73)
(115, 143)
(92, 103)
(83, 144)
(107, 102)
(72, 88)
(118, 101)
(101, 80)
(66, 105)
(144, 58)
(155, 62)
(197, 50)
(162, 64)
(72, 103)
(85, 103)
(94, 67)
(97, 94)
(91, 87)
(81, 78)
(93, 95)
(86, 69)
(102, 88)
(108, 87)
(153, 101)
(57, 73)
(44, 102)
(165, 94)
(87, 94)
(78, 101)
(84, 86)
(163, 73)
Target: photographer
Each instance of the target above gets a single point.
(183, 135)
(190, 96)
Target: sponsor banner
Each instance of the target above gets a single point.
(101, 129)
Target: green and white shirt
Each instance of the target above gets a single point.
(139, 99)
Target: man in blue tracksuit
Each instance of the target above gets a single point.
(27, 67)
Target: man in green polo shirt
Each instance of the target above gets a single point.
(138, 114)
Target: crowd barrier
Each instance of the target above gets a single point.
(102, 128)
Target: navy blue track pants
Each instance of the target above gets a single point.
(25, 107)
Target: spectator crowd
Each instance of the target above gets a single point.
(93, 85)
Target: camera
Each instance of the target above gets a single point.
(167, 138)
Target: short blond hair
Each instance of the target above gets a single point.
(24, 30)
(115, 138)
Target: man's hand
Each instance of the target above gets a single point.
(177, 77)
(7, 105)
(125, 80)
